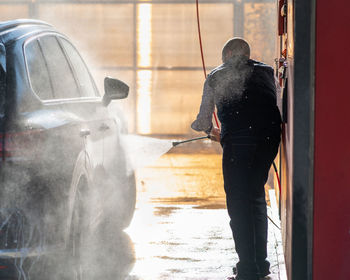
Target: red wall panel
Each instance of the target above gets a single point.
(331, 251)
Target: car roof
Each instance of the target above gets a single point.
(19, 28)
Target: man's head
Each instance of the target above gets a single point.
(235, 47)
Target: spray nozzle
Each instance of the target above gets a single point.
(190, 140)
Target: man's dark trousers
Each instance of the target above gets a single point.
(246, 163)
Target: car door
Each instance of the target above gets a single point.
(53, 83)
(74, 96)
(106, 126)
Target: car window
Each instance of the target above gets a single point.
(63, 83)
(83, 76)
(2, 79)
(37, 70)
(2, 92)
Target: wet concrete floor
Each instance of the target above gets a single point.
(180, 229)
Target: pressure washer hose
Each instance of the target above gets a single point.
(278, 177)
(202, 55)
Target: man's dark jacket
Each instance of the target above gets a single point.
(244, 93)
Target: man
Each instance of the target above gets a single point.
(244, 93)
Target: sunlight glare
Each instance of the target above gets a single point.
(144, 78)
(144, 101)
(144, 34)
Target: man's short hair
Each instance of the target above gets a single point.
(238, 46)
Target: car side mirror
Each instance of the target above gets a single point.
(114, 89)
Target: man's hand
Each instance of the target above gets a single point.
(215, 134)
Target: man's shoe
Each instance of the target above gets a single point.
(261, 275)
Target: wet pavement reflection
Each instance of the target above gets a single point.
(181, 241)
(180, 229)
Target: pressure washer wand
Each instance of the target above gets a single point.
(190, 140)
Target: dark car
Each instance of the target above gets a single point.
(63, 172)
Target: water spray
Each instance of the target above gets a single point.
(190, 140)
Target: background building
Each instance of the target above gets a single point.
(153, 46)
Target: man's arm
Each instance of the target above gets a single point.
(203, 121)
